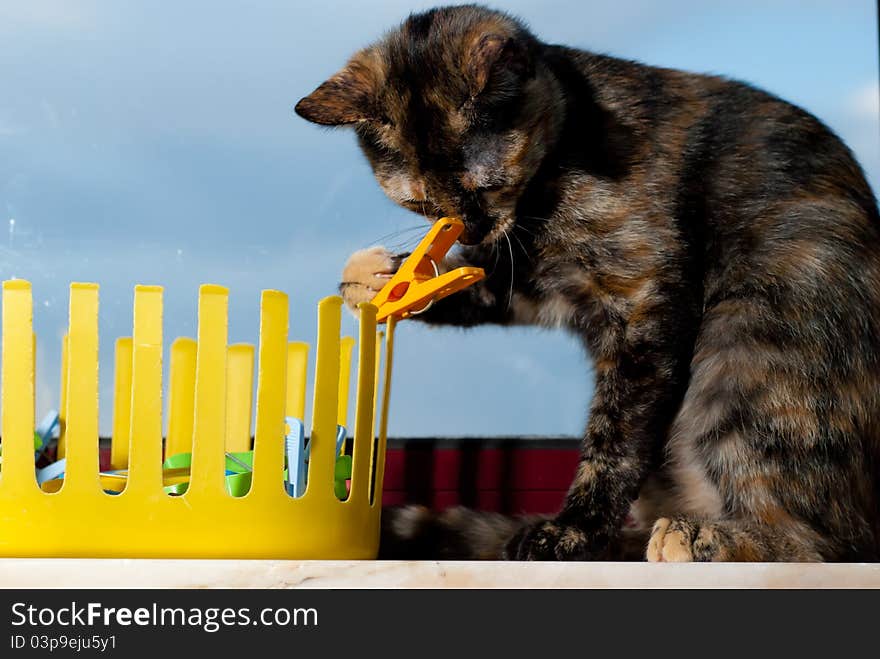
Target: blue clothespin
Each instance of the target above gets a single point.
(52, 471)
(295, 449)
(45, 431)
(341, 433)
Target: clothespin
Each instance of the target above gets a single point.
(52, 471)
(240, 463)
(113, 482)
(44, 431)
(342, 468)
(239, 472)
(295, 449)
(178, 461)
(42, 436)
(237, 462)
(418, 283)
(341, 433)
(342, 477)
(237, 485)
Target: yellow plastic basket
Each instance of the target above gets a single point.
(209, 413)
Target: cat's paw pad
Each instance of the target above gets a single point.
(672, 541)
(547, 541)
(365, 273)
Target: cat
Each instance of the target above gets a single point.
(716, 248)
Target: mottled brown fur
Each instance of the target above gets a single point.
(716, 248)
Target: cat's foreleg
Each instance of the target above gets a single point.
(641, 375)
(685, 540)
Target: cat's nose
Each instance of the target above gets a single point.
(417, 190)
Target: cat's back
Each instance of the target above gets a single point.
(762, 186)
(723, 116)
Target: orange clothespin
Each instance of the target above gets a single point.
(418, 283)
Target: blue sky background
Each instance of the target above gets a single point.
(148, 145)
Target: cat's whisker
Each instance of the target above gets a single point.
(405, 245)
(524, 228)
(523, 247)
(510, 248)
(531, 232)
(395, 234)
(497, 256)
(530, 219)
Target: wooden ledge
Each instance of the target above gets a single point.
(143, 573)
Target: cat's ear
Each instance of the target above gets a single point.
(348, 97)
(492, 57)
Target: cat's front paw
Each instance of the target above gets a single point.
(548, 541)
(668, 544)
(365, 273)
(682, 541)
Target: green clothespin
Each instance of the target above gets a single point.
(342, 468)
(341, 474)
(239, 470)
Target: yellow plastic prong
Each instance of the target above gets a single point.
(81, 474)
(381, 443)
(417, 283)
(271, 390)
(346, 347)
(239, 394)
(364, 412)
(379, 339)
(181, 396)
(297, 365)
(121, 404)
(208, 461)
(34, 349)
(145, 436)
(62, 401)
(322, 456)
(17, 377)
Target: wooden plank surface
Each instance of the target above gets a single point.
(134, 573)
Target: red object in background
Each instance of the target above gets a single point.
(506, 475)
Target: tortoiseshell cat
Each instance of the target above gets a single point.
(716, 248)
